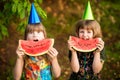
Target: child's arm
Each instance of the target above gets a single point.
(97, 64)
(74, 62)
(74, 59)
(19, 65)
(55, 65)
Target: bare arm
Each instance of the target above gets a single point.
(18, 69)
(56, 68)
(74, 59)
(55, 65)
(97, 64)
(17, 72)
(74, 62)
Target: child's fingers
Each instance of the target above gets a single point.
(100, 45)
(51, 56)
(19, 52)
(52, 52)
(70, 44)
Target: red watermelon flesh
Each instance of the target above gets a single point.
(36, 48)
(84, 45)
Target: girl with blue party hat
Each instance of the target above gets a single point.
(42, 67)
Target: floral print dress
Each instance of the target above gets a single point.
(37, 68)
(85, 70)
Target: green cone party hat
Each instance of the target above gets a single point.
(88, 15)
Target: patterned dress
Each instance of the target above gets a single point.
(37, 68)
(85, 70)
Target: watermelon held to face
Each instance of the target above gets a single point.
(36, 48)
(84, 45)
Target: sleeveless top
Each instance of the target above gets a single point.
(85, 71)
(37, 68)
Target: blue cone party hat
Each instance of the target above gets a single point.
(33, 18)
(88, 15)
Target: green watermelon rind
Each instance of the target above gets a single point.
(36, 54)
(81, 50)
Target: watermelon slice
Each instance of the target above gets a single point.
(36, 48)
(84, 45)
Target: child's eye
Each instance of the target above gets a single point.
(39, 31)
(30, 31)
(89, 31)
(81, 31)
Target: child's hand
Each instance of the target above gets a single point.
(20, 53)
(100, 45)
(70, 44)
(52, 52)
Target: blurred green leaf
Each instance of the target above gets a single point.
(22, 15)
(40, 11)
(19, 8)
(4, 30)
(39, 1)
(14, 7)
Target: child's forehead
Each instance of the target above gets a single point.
(86, 28)
(35, 28)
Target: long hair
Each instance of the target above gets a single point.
(89, 25)
(34, 27)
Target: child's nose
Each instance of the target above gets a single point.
(85, 36)
(34, 33)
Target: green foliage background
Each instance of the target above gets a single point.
(59, 18)
(17, 11)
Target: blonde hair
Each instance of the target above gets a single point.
(89, 25)
(34, 27)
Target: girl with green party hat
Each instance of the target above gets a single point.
(87, 65)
